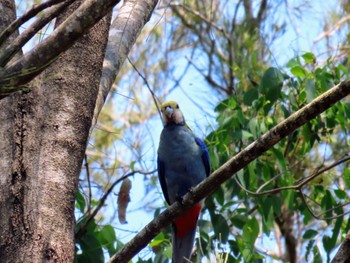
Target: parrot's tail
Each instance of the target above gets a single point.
(184, 231)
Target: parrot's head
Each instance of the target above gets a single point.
(172, 114)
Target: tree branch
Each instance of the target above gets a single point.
(25, 17)
(7, 53)
(77, 24)
(125, 29)
(232, 166)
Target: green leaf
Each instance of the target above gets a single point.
(108, 238)
(240, 177)
(250, 96)
(310, 234)
(168, 251)
(80, 201)
(219, 196)
(229, 103)
(91, 248)
(221, 227)
(239, 220)
(280, 158)
(326, 204)
(298, 71)
(159, 239)
(309, 58)
(317, 255)
(246, 135)
(327, 243)
(250, 232)
(132, 165)
(266, 210)
(292, 63)
(310, 89)
(346, 176)
(336, 232)
(271, 84)
(340, 193)
(249, 236)
(347, 109)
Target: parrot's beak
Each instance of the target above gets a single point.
(169, 112)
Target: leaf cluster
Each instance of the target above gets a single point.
(273, 194)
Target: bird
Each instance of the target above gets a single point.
(183, 162)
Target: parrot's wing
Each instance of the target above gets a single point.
(161, 175)
(205, 155)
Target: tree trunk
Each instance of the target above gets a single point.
(43, 140)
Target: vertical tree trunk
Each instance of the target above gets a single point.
(43, 140)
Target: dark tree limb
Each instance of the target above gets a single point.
(232, 166)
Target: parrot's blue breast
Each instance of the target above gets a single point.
(183, 161)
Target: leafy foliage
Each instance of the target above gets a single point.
(95, 240)
(318, 204)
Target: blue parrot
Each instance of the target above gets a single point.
(183, 162)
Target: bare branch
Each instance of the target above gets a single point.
(25, 17)
(155, 99)
(7, 53)
(125, 29)
(302, 182)
(199, 15)
(261, 12)
(232, 166)
(331, 31)
(29, 66)
(319, 217)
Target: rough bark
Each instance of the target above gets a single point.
(232, 166)
(44, 135)
(7, 136)
(285, 223)
(343, 254)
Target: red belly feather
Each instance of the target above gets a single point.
(187, 221)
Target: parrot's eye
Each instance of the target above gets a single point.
(177, 106)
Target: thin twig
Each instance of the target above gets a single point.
(25, 17)
(298, 186)
(331, 209)
(89, 184)
(206, 77)
(155, 98)
(311, 177)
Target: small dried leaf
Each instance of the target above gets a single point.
(123, 200)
